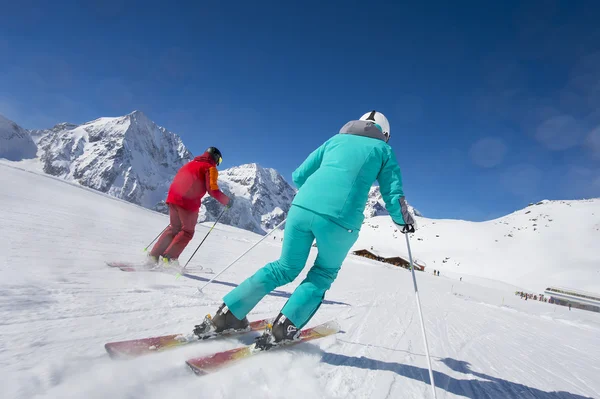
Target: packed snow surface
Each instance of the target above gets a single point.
(59, 304)
(551, 243)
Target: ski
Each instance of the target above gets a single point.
(139, 347)
(133, 267)
(207, 364)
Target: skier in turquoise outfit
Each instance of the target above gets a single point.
(333, 187)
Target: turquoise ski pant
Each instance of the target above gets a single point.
(302, 227)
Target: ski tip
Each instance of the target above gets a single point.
(197, 371)
(114, 352)
(111, 352)
(331, 325)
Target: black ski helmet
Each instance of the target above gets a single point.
(216, 154)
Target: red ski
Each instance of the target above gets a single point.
(131, 267)
(138, 347)
(207, 364)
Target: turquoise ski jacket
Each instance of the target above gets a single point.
(335, 179)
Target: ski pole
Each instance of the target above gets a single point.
(412, 268)
(241, 256)
(155, 238)
(201, 242)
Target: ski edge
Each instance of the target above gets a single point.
(119, 349)
(323, 330)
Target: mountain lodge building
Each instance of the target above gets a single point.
(393, 259)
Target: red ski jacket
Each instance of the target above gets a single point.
(193, 181)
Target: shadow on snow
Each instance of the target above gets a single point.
(489, 388)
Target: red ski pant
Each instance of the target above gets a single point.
(179, 233)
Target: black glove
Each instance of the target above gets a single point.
(230, 203)
(407, 228)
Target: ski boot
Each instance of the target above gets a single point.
(151, 262)
(223, 322)
(171, 262)
(282, 331)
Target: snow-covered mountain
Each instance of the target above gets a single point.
(376, 205)
(262, 198)
(15, 142)
(548, 243)
(129, 157)
(132, 158)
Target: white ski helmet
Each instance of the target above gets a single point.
(380, 120)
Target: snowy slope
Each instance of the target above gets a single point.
(59, 304)
(129, 157)
(552, 243)
(15, 142)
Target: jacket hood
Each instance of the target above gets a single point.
(363, 128)
(206, 157)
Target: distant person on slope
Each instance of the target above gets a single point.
(333, 183)
(190, 184)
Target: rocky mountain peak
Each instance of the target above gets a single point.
(16, 143)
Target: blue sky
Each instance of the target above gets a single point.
(492, 105)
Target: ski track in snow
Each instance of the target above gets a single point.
(59, 304)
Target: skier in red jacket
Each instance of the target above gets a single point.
(190, 184)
